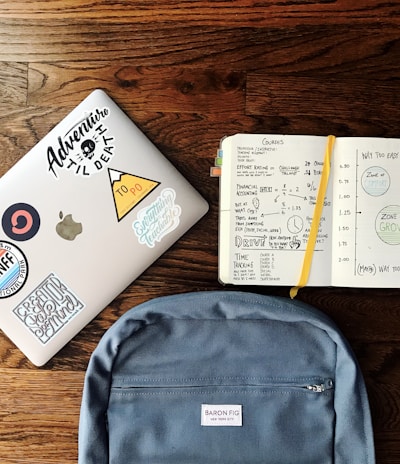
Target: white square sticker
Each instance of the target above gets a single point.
(221, 415)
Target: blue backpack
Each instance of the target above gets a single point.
(224, 377)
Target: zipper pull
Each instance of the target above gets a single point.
(320, 388)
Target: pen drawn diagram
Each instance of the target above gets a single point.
(295, 224)
(387, 225)
(284, 227)
(375, 181)
(376, 216)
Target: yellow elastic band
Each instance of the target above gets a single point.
(305, 271)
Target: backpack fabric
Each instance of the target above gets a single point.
(224, 377)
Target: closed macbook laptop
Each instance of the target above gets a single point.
(83, 214)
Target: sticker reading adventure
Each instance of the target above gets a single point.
(48, 308)
(85, 149)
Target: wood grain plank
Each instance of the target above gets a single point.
(20, 130)
(296, 48)
(242, 12)
(302, 95)
(349, 99)
(172, 89)
(39, 414)
(13, 84)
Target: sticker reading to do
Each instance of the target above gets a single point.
(129, 190)
(158, 219)
(85, 149)
(48, 308)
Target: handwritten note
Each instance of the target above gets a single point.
(366, 233)
(269, 186)
(271, 197)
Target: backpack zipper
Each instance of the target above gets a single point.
(320, 388)
(326, 384)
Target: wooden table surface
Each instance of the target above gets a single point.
(189, 73)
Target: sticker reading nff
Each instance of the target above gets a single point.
(13, 269)
(129, 190)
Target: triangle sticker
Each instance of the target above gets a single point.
(129, 190)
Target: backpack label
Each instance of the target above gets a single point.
(221, 415)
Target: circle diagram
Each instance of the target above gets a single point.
(375, 181)
(295, 224)
(387, 224)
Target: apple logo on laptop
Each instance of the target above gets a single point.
(67, 228)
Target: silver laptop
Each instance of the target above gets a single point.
(83, 214)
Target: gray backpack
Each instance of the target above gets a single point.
(224, 377)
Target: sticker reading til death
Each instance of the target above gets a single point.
(86, 148)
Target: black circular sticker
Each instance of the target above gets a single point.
(13, 269)
(21, 222)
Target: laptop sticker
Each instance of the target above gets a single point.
(129, 190)
(13, 269)
(86, 148)
(21, 221)
(48, 308)
(158, 219)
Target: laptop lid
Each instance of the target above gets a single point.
(83, 214)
